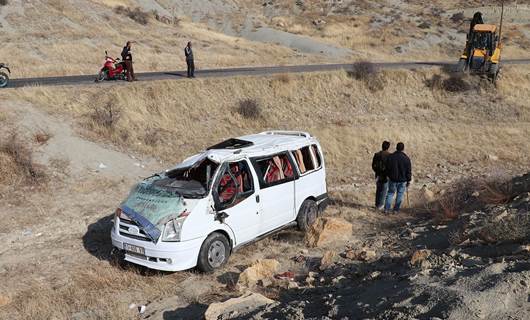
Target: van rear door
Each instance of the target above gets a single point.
(276, 195)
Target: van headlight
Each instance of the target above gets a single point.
(172, 230)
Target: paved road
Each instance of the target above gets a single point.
(230, 72)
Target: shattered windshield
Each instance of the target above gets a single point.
(191, 182)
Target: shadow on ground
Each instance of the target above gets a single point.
(192, 311)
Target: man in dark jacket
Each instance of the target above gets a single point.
(126, 56)
(399, 172)
(188, 52)
(381, 181)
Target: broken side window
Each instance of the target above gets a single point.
(274, 170)
(235, 184)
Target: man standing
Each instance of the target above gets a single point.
(126, 56)
(188, 52)
(398, 171)
(381, 181)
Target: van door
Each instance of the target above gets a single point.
(276, 195)
(234, 195)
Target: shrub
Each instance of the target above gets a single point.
(106, 116)
(369, 74)
(4, 2)
(249, 109)
(22, 157)
(456, 83)
(284, 78)
(136, 14)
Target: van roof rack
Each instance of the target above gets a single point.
(288, 133)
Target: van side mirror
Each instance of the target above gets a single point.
(221, 216)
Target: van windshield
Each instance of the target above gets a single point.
(191, 182)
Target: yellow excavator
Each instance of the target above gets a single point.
(482, 54)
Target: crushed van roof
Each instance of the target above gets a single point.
(261, 144)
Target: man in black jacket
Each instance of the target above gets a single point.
(399, 173)
(381, 181)
(188, 52)
(126, 56)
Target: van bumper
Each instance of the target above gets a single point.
(165, 256)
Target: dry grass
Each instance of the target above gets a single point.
(16, 163)
(348, 117)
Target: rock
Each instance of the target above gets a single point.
(426, 194)
(327, 260)
(259, 270)
(363, 254)
(492, 157)
(327, 230)
(236, 306)
(4, 300)
(419, 256)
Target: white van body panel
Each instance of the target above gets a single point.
(266, 209)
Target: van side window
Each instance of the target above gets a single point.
(235, 184)
(274, 170)
(316, 153)
(307, 158)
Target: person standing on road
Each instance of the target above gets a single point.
(381, 181)
(399, 172)
(126, 56)
(188, 52)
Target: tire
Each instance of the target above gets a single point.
(214, 253)
(102, 75)
(4, 79)
(494, 72)
(307, 215)
(461, 66)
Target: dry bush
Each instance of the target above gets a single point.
(249, 109)
(21, 157)
(152, 137)
(473, 193)
(42, 137)
(368, 73)
(106, 116)
(136, 14)
(4, 2)
(283, 78)
(456, 83)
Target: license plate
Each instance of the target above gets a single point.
(134, 249)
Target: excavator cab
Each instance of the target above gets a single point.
(482, 53)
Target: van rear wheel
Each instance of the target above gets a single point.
(214, 253)
(307, 215)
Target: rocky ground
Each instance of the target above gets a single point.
(474, 267)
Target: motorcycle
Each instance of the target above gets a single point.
(112, 69)
(4, 77)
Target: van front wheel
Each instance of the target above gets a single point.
(307, 215)
(214, 253)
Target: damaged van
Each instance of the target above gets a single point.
(234, 193)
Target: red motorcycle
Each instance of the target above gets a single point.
(112, 69)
